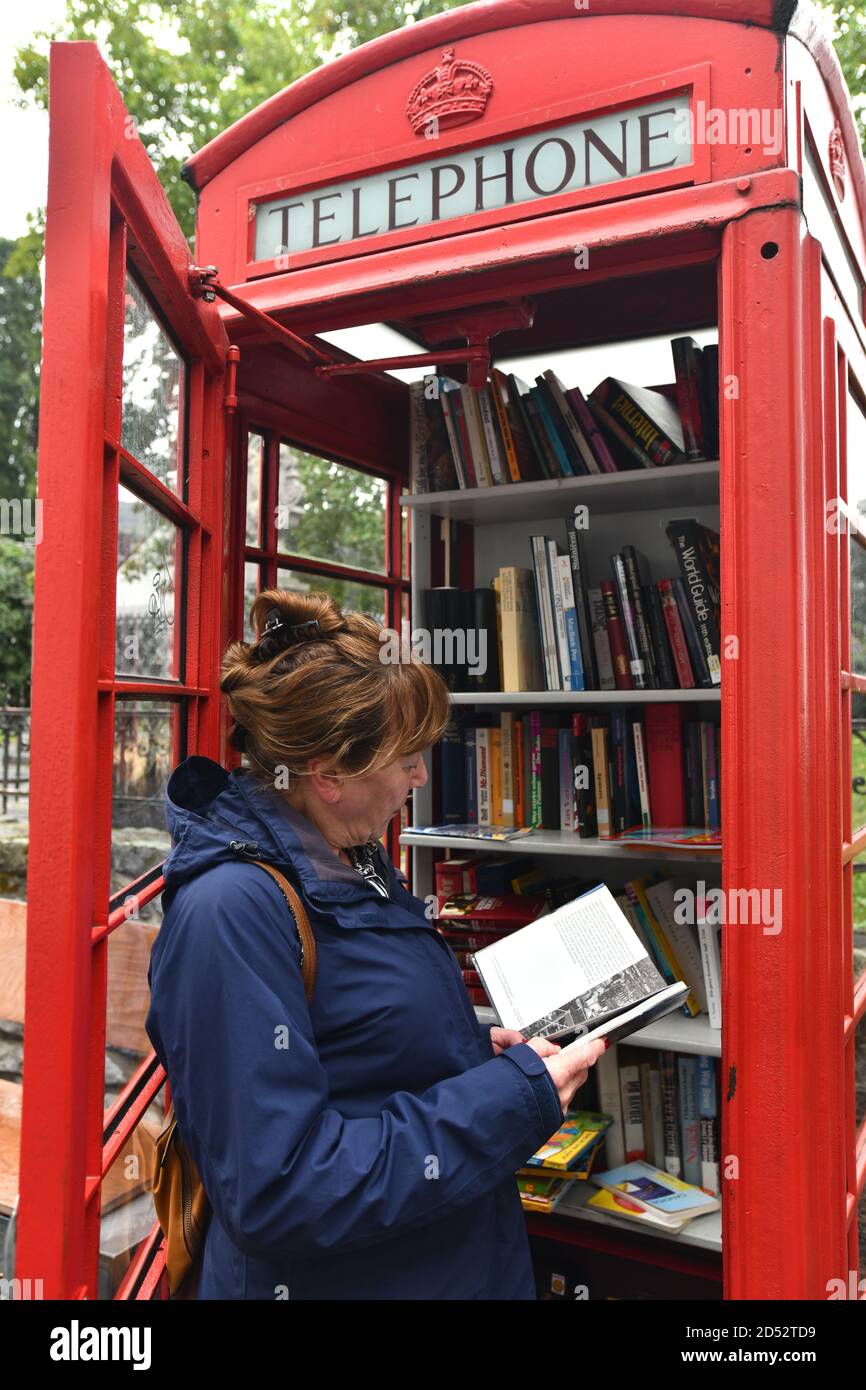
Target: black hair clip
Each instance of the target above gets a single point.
(277, 636)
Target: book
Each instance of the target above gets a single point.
(650, 419)
(580, 970)
(669, 1198)
(472, 831)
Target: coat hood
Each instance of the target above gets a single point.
(215, 816)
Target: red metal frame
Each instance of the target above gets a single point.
(105, 208)
(783, 441)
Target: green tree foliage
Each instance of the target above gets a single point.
(189, 68)
(849, 41)
(16, 615)
(20, 338)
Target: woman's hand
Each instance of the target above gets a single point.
(510, 1037)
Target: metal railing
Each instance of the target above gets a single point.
(14, 757)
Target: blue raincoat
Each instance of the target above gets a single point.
(361, 1147)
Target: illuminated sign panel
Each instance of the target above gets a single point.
(584, 153)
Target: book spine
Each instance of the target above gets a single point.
(474, 429)
(697, 656)
(708, 1109)
(535, 755)
(458, 416)
(676, 635)
(495, 453)
(616, 637)
(569, 613)
(506, 719)
(500, 405)
(579, 584)
(471, 774)
(545, 610)
(636, 662)
(663, 724)
(712, 966)
(566, 780)
(563, 405)
(683, 536)
(558, 447)
(482, 749)
(641, 621)
(632, 1113)
(659, 637)
(561, 637)
(689, 377)
(519, 785)
(673, 1156)
(607, 1071)
(541, 437)
(496, 776)
(709, 735)
(644, 431)
(616, 431)
(453, 439)
(642, 776)
(419, 479)
(589, 425)
(585, 823)
(602, 788)
(452, 765)
(549, 774)
(687, 1077)
(601, 640)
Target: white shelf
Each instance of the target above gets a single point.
(705, 1232)
(674, 1032)
(686, 484)
(583, 697)
(564, 842)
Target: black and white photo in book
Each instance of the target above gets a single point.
(574, 971)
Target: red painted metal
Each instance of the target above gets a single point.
(790, 326)
(103, 196)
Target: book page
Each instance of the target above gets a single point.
(581, 961)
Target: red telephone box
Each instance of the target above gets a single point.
(504, 178)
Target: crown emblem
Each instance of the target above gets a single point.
(454, 92)
(837, 160)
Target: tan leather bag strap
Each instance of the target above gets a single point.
(302, 921)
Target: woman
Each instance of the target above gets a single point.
(363, 1146)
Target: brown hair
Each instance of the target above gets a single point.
(328, 696)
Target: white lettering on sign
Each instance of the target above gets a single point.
(583, 154)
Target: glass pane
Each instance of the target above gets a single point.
(326, 511)
(352, 598)
(251, 589)
(255, 465)
(149, 742)
(127, 1210)
(858, 763)
(153, 387)
(149, 560)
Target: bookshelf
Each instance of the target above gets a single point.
(629, 507)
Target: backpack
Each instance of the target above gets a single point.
(181, 1203)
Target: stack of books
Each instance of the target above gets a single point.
(548, 627)
(632, 771)
(509, 432)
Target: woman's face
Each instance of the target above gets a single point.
(367, 804)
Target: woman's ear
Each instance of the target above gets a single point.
(328, 785)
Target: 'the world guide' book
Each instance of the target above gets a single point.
(581, 970)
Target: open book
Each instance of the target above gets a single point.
(579, 970)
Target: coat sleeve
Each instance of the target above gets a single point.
(285, 1172)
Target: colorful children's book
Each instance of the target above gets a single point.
(669, 1198)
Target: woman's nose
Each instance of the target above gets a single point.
(419, 776)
